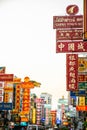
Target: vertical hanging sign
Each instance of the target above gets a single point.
(85, 20)
(72, 72)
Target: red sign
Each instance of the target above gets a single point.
(82, 78)
(81, 108)
(60, 22)
(72, 9)
(74, 34)
(6, 77)
(75, 46)
(72, 72)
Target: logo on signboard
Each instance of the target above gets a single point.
(72, 9)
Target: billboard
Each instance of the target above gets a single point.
(71, 46)
(71, 72)
(60, 22)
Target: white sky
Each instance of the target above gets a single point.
(28, 42)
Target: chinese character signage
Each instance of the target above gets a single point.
(69, 34)
(71, 72)
(6, 77)
(75, 46)
(82, 78)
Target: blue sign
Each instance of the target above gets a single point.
(58, 121)
(76, 93)
(5, 106)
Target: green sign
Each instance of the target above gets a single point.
(82, 85)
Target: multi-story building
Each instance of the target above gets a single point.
(47, 98)
(62, 107)
(47, 107)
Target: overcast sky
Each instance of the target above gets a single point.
(28, 42)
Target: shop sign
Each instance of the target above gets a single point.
(76, 93)
(82, 64)
(72, 72)
(5, 106)
(75, 46)
(60, 22)
(17, 80)
(82, 101)
(81, 108)
(82, 85)
(6, 77)
(69, 34)
(82, 78)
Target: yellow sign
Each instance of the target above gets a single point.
(82, 64)
(81, 101)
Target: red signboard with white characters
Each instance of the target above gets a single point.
(69, 34)
(72, 72)
(72, 46)
(60, 22)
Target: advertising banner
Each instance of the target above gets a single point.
(71, 72)
(69, 46)
(75, 21)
